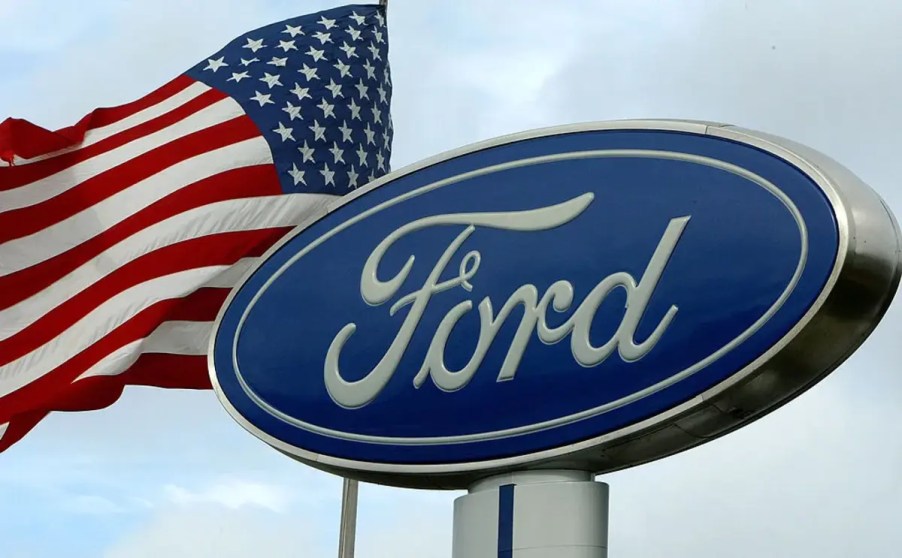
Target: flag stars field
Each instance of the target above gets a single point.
(293, 31)
(346, 132)
(344, 70)
(326, 62)
(355, 110)
(284, 132)
(358, 19)
(335, 89)
(337, 153)
(216, 64)
(270, 79)
(316, 54)
(323, 37)
(254, 45)
(319, 132)
(300, 92)
(238, 76)
(350, 51)
(293, 111)
(328, 175)
(297, 175)
(306, 152)
(261, 98)
(327, 108)
(352, 177)
(309, 73)
(370, 70)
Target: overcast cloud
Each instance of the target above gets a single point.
(165, 473)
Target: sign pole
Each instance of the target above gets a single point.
(535, 514)
(348, 530)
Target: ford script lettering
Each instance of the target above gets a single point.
(559, 296)
(588, 297)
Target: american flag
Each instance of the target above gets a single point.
(121, 236)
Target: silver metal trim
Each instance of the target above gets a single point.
(865, 277)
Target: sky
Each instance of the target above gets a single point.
(168, 473)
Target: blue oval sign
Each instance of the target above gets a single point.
(530, 298)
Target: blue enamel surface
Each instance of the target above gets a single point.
(736, 256)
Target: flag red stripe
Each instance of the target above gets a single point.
(20, 426)
(219, 249)
(20, 175)
(169, 371)
(29, 220)
(151, 369)
(204, 305)
(41, 393)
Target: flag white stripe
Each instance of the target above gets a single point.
(56, 239)
(116, 362)
(70, 177)
(230, 277)
(179, 338)
(95, 135)
(249, 214)
(176, 338)
(3, 428)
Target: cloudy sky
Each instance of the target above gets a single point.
(167, 473)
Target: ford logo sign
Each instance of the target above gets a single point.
(589, 297)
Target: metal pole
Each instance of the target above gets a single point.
(348, 529)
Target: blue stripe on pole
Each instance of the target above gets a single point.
(506, 521)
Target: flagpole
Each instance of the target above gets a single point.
(348, 529)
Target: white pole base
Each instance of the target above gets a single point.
(533, 514)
